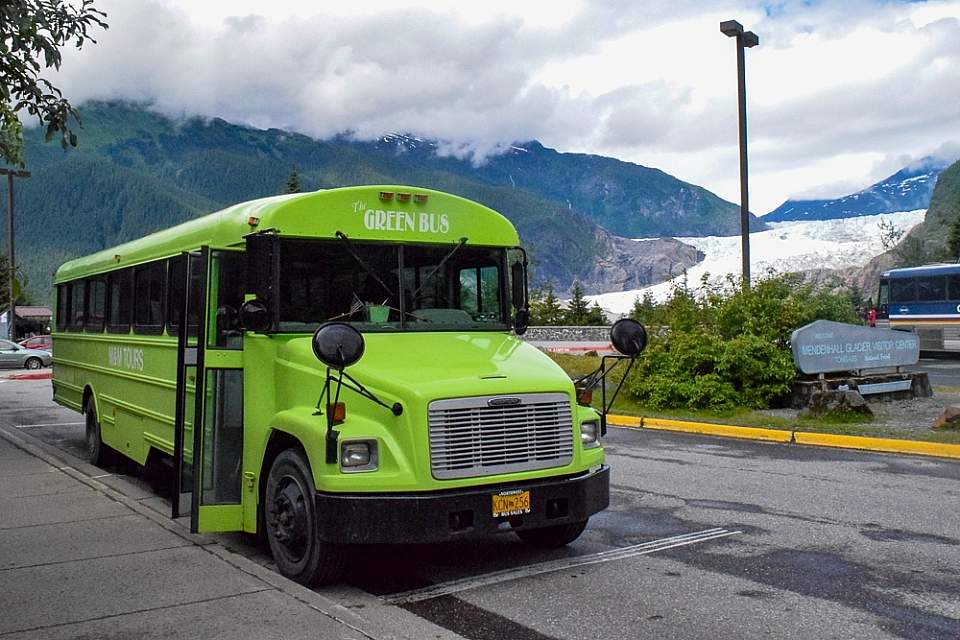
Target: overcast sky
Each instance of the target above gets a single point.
(840, 93)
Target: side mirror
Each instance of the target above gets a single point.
(628, 337)
(337, 345)
(518, 285)
(521, 320)
(254, 316)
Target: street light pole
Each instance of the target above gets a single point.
(745, 39)
(12, 307)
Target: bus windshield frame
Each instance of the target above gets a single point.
(391, 286)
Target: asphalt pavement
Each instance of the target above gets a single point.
(705, 538)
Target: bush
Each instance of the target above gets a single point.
(728, 347)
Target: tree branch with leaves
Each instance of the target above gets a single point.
(32, 34)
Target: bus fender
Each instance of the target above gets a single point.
(301, 426)
(90, 396)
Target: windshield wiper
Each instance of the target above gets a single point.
(370, 272)
(439, 266)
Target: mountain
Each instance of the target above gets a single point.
(136, 172)
(906, 190)
(627, 199)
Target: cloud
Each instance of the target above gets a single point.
(834, 88)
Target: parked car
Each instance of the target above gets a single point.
(13, 355)
(44, 343)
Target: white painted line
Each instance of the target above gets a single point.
(496, 577)
(51, 424)
(104, 475)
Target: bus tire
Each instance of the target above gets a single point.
(290, 518)
(33, 363)
(552, 537)
(98, 454)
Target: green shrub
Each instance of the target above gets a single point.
(728, 347)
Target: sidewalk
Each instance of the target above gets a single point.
(80, 559)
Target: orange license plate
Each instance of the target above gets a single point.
(511, 503)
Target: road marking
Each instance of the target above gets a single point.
(51, 424)
(496, 577)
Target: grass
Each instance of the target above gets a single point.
(576, 366)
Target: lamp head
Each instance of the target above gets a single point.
(731, 28)
(750, 39)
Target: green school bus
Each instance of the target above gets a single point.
(197, 347)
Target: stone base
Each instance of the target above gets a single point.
(803, 390)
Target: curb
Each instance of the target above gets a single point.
(883, 445)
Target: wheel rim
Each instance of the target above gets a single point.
(91, 437)
(33, 363)
(289, 518)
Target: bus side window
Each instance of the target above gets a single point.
(63, 304)
(903, 290)
(78, 297)
(953, 287)
(120, 299)
(932, 288)
(883, 298)
(148, 297)
(96, 303)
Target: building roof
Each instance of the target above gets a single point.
(33, 312)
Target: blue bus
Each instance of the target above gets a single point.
(924, 300)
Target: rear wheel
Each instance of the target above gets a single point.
(290, 518)
(553, 537)
(33, 363)
(98, 454)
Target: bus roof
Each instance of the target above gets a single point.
(386, 213)
(940, 269)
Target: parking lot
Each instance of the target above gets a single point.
(704, 538)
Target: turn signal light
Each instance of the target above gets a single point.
(585, 396)
(338, 411)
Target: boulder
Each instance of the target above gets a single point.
(834, 402)
(949, 419)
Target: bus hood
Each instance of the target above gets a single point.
(448, 365)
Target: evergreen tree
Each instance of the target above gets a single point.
(644, 309)
(953, 244)
(545, 310)
(293, 182)
(596, 317)
(577, 313)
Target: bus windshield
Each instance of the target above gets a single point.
(438, 288)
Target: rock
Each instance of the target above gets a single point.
(833, 402)
(921, 385)
(949, 419)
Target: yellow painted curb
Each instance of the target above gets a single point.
(888, 445)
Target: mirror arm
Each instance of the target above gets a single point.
(599, 377)
(332, 434)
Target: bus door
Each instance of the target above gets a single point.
(208, 435)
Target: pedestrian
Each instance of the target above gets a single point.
(872, 317)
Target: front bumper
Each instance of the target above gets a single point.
(457, 513)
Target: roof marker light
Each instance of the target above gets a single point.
(253, 221)
(386, 195)
(420, 198)
(403, 197)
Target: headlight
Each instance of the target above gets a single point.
(590, 434)
(358, 455)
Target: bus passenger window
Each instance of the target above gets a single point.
(953, 287)
(78, 296)
(932, 289)
(120, 301)
(148, 297)
(903, 290)
(63, 305)
(96, 303)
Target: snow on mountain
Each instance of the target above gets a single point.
(789, 246)
(908, 189)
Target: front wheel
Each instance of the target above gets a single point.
(33, 363)
(553, 537)
(290, 517)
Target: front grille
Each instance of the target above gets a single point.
(488, 435)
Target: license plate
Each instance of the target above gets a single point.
(511, 503)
